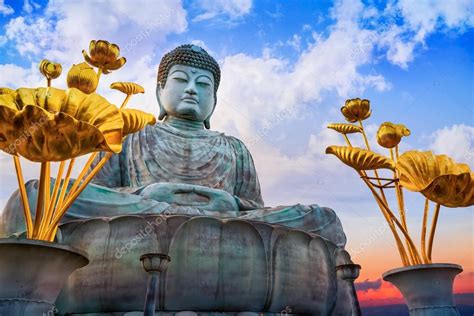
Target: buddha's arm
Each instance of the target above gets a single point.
(110, 175)
(247, 189)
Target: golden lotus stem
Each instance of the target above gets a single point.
(348, 142)
(47, 188)
(375, 171)
(48, 82)
(53, 203)
(40, 200)
(433, 230)
(99, 72)
(400, 201)
(24, 197)
(416, 256)
(82, 174)
(65, 183)
(423, 231)
(124, 103)
(388, 218)
(54, 225)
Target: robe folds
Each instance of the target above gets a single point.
(163, 153)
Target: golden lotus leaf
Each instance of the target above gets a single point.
(6, 91)
(345, 128)
(356, 109)
(389, 135)
(82, 77)
(104, 55)
(128, 88)
(48, 124)
(135, 120)
(360, 159)
(49, 69)
(438, 177)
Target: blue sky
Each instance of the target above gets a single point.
(287, 67)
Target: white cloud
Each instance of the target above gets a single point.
(5, 9)
(456, 141)
(29, 6)
(68, 26)
(232, 9)
(259, 96)
(407, 24)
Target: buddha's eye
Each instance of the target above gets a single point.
(179, 79)
(203, 84)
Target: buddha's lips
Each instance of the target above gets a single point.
(190, 99)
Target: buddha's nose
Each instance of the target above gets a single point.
(190, 90)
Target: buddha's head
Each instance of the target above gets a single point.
(188, 78)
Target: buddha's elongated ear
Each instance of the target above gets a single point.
(207, 121)
(163, 113)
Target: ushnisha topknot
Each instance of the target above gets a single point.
(190, 55)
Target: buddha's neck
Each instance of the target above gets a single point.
(183, 124)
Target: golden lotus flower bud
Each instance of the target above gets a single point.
(49, 69)
(360, 159)
(128, 88)
(389, 135)
(345, 128)
(438, 178)
(82, 77)
(356, 110)
(104, 55)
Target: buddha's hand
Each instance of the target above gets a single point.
(197, 196)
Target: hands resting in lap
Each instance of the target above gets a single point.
(192, 195)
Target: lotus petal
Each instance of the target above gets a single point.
(135, 120)
(116, 64)
(127, 87)
(360, 159)
(89, 60)
(345, 128)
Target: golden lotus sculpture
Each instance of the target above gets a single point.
(437, 177)
(104, 55)
(49, 125)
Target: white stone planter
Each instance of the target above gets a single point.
(32, 274)
(427, 288)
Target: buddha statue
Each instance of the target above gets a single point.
(181, 166)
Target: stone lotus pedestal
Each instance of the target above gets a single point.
(218, 266)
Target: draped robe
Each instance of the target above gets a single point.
(163, 153)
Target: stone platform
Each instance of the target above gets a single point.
(218, 267)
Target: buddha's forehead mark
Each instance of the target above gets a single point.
(194, 70)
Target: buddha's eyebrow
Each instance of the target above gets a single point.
(177, 70)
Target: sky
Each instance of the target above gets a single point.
(287, 68)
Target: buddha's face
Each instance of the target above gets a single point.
(188, 93)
